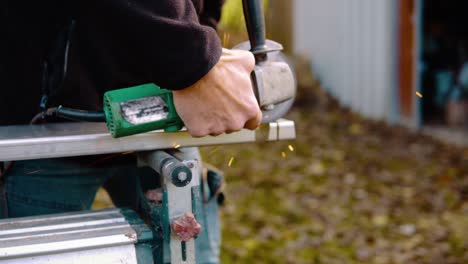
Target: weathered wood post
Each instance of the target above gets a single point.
(279, 23)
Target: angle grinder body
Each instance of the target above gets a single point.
(149, 107)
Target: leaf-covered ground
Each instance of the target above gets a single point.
(347, 190)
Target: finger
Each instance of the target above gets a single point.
(216, 131)
(247, 59)
(196, 133)
(215, 134)
(250, 61)
(230, 131)
(253, 123)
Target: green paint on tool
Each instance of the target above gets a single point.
(140, 109)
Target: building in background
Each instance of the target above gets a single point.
(373, 56)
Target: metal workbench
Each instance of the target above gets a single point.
(117, 234)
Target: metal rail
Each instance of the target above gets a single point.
(79, 139)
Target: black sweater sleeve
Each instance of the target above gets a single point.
(130, 42)
(211, 13)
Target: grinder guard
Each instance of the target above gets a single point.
(273, 110)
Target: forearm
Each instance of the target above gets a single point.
(153, 41)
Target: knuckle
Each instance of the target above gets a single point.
(251, 61)
(248, 58)
(215, 134)
(197, 133)
(254, 121)
(236, 126)
(253, 110)
(217, 131)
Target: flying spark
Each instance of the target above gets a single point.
(291, 148)
(231, 160)
(226, 37)
(283, 154)
(176, 146)
(419, 94)
(213, 151)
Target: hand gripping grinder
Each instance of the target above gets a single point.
(148, 107)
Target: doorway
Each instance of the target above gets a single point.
(444, 64)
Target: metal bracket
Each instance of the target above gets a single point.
(181, 181)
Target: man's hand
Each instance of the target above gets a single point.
(222, 101)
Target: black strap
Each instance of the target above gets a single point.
(4, 167)
(3, 201)
(55, 65)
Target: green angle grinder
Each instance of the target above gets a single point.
(148, 107)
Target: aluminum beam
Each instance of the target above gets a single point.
(79, 139)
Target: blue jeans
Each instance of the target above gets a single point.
(50, 186)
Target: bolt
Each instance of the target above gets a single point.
(269, 107)
(182, 176)
(190, 165)
(186, 227)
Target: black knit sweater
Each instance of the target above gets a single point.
(112, 44)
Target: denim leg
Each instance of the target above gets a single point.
(208, 242)
(50, 186)
(123, 186)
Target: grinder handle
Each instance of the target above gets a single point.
(255, 22)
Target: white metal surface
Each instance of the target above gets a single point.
(79, 244)
(37, 225)
(33, 237)
(284, 129)
(352, 46)
(79, 139)
(124, 254)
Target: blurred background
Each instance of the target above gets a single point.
(379, 170)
